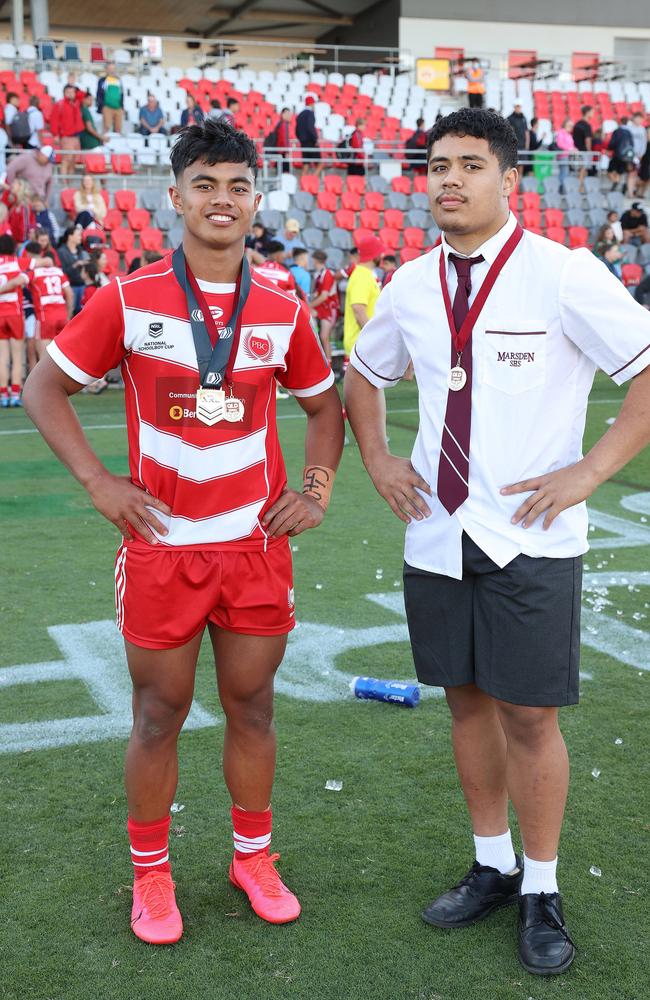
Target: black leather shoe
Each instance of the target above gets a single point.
(481, 891)
(545, 947)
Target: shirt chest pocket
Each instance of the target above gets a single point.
(514, 360)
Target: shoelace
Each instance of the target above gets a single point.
(261, 868)
(552, 918)
(470, 877)
(157, 894)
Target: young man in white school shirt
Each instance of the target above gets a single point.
(497, 522)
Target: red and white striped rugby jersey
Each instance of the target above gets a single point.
(11, 303)
(278, 274)
(217, 480)
(46, 285)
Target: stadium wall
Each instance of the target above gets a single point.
(632, 13)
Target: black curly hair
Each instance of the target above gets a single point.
(214, 141)
(481, 124)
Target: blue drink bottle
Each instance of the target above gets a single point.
(392, 691)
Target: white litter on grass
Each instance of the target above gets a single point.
(397, 583)
(595, 870)
(618, 742)
(333, 786)
(294, 548)
(596, 772)
(177, 807)
(365, 541)
(610, 420)
(319, 586)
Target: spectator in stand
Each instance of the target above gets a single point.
(566, 146)
(605, 238)
(89, 204)
(614, 221)
(66, 124)
(45, 219)
(152, 119)
(325, 301)
(282, 139)
(36, 122)
(642, 292)
(16, 123)
(42, 237)
(644, 168)
(73, 257)
(362, 292)
(110, 99)
(621, 145)
(274, 269)
(22, 218)
(640, 142)
(191, 113)
(535, 142)
(35, 167)
(357, 163)
(634, 223)
(11, 110)
(216, 111)
(583, 138)
(388, 266)
(475, 84)
(416, 147)
(12, 325)
(307, 135)
(291, 238)
(231, 110)
(90, 138)
(4, 142)
(71, 81)
(612, 257)
(258, 243)
(147, 257)
(518, 121)
(298, 268)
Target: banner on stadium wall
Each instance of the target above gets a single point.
(432, 74)
(152, 46)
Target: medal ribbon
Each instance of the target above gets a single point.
(217, 360)
(460, 337)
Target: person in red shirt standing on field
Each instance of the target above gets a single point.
(206, 515)
(325, 301)
(52, 297)
(12, 325)
(274, 270)
(357, 164)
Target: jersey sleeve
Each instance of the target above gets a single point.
(93, 341)
(380, 354)
(360, 287)
(602, 319)
(307, 372)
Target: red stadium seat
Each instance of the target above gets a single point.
(130, 256)
(327, 200)
(124, 200)
(67, 200)
(351, 200)
(112, 261)
(530, 199)
(361, 234)
(394, 218)
(408, 253)
(310, 183)
(122, 163)
(632, 274)
(138, 218)
(553, 217)
(355, 183)
(413, 237)
(95, 163)
(151, 239)
(369, 219)
(532, 218)
(345, 219)
(113, 219)
(420, 183)
(334, 183)
(556, 233)
(374, 199)
(513, 201)
(122, 239)
(401, 184)
(578, 237)
(390, 237)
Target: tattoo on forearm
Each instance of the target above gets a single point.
(318, 482)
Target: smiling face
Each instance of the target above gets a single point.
(468, 192)
(217, 202)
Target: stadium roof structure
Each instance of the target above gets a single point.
(308, 19)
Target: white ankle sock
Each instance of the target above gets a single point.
(539, 876)
(496, 852)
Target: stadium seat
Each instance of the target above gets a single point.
(333, 183)
(378, 183)
(418, 218)
(420, 183)
(152, 200)
(112, 260)
(310, 183)
(632, 274)
(530, 199)
(578, 237)
(345, 219)
(165, 218)
(138, 218)
(67, 200)
(313, 238)
(130, 256)
(375, 200)
(341, 239)
(122, 239)
(394, 218)
(321, 218)
(327, 200)
(556, 233)
(401, 184)
(362, 234)
(124, 199)
(151, 239)
(413, 237)
(351, 200)
(122, 163)
(113, 219)
(420, 200)
(409, 253)
(303, 200)
(397, 199)
(390, 237)
(369, 218)
(553, 217)
(531, 218)
(270, 218)
(95, 163)
(355, 183)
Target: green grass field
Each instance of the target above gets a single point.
(363, 860)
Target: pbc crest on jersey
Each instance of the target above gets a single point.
(257, 345)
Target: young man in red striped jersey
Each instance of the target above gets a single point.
(206, 513)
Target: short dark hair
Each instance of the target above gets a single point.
(7, 245)
(320, 255)
(419, 122)
(623, 121)
(275, 246)
(585, 109)
(32, 248)
(10, 95)
(231, 101)
(480, 124)
(298, 252)
(215, 141)
(390, 257)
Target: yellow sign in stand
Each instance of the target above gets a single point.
(432, 74)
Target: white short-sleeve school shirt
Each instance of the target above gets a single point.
(552, 318)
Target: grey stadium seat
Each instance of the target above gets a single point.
(616, 201)
(571, 184)
(576, 217)
(552, 199)
(596, 217)
(529, 185)
(417, 217)
(313, 238)
(595, 199)
(151, 200)
(303, 200)
(395, 199)
(420, 200)
(378, 183)
(630, 253)
(165, 218)
(321, 218)
(334, 258)
(644, 254)
(432, 234)
(592, 184)
(551, 184)
(573, 199)
(340, 238)
(270, 218)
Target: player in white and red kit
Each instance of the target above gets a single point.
(12, 327)
(206, 514)
(52, 297)
(274, 270)
(325, 301)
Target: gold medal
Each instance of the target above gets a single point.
(210, 405)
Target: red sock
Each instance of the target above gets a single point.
(15, 390)
(149, 846)
(4, 391)
(251, 831)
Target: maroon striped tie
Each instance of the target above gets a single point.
(453, 468)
